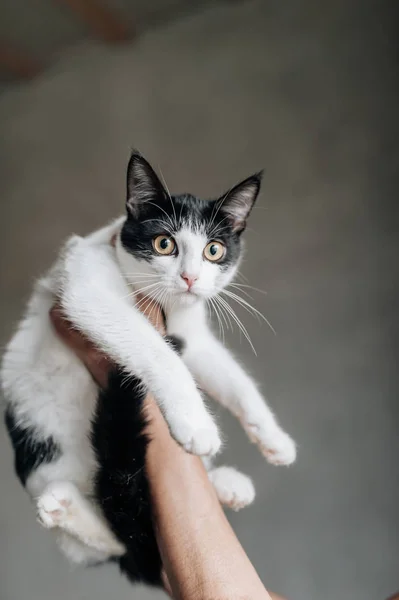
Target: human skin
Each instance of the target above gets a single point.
(202, 557)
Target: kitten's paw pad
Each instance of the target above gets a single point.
(278, 448)
(234, 489)
(53, 508)
(203, 441)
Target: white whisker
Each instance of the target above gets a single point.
(218, 228)
(240, 290)
(152, 299)
(224, 312)
(164, 211)
(127, 274)
(140, 290)
(166, 226)
(170, 197)
(226, 320)
(218, 207)
(164, 298)
(239, 274)
(221, 331)
(146, 297)
(232, 313)
(138, 281)
(251, 287)
(181, 210)
(148, 288)
(248, 307)
(153, 302)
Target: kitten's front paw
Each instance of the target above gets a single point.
(280, 450)
(197, 438)
(277, 446)
(53, 507)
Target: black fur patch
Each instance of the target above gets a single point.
(30, 448)
(121, 484)
(176, 342)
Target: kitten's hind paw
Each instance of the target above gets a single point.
(53, 507)
(234, 489)
(51, 512)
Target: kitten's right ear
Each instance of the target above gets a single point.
(143, 185)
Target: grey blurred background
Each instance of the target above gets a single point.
(210, 92)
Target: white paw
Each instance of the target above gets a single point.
(275, 445)
(234, 489)
(54, 506)
(197, 438)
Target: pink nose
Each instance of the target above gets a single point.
(189, 279)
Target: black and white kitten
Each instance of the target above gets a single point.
(80, 453)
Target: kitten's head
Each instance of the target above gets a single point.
(187, 247)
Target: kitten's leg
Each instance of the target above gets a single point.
(234, 489)
(222, 378)
(94, 297)
(62, 505)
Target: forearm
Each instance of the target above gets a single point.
(202, 556)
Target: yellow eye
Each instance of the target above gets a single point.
(164, 244)
(214, 251)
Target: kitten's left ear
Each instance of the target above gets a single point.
(143, 184)
(238, 202)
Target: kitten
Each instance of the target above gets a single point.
(80, 452)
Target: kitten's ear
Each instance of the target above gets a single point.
(238, 202)
(143, 184)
